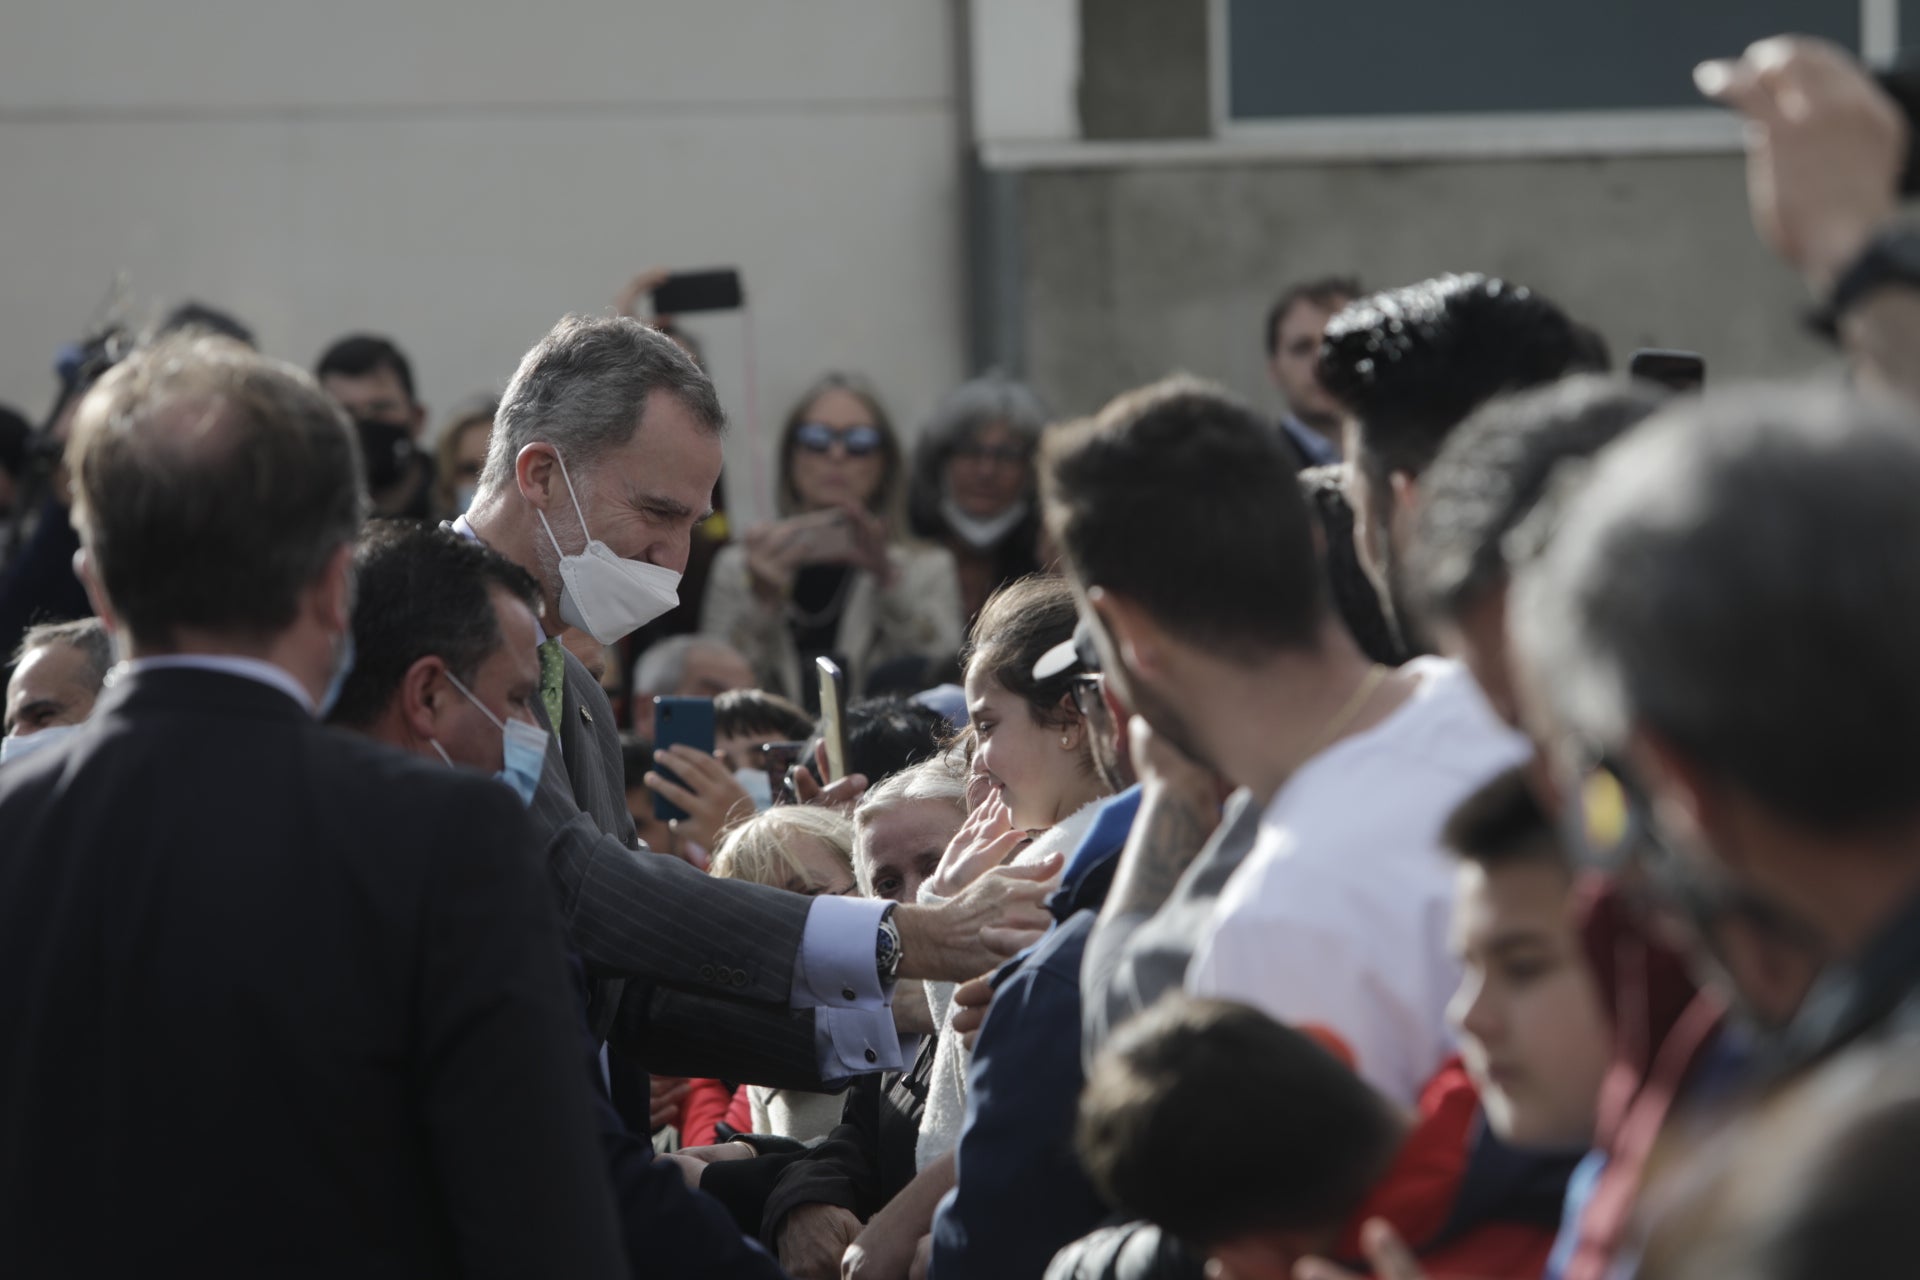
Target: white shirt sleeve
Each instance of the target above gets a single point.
(837, 975)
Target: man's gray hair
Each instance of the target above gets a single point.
(1739, 577)
(663, 665)
(583, 388)
(86, 636)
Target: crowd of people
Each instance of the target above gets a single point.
(1462, 827)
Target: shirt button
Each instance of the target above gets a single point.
(872, 1056)
(846, 993)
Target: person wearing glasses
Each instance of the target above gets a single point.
(832, 576)
(973, 484)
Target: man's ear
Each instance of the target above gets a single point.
(422, 689)
(1405, 488)
(1137, 639)
(1073, 731)
(97, 595)
(536, 473)
(334, 595)
(417, 420)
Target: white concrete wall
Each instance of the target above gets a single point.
(459, 173)
(1025, 67)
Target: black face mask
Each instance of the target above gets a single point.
(386, 451)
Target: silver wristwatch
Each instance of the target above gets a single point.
(886, 948)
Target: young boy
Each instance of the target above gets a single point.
(1528, 1013)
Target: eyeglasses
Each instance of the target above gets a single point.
(1607, 819)
(1610, 825)
(1086, 693)
(1003, 455)
(818, 437)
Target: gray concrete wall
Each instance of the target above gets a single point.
(459, 174)
(1143, 69)
(1130, 272)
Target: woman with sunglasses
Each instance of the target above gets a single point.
(830, 577)
(973, 484)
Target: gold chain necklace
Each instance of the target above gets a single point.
(1337, 724)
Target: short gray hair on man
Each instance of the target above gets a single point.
(583, 388)
(661, 668)
(86, 636)
(1738, 577)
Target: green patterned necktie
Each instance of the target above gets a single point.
(553, 681)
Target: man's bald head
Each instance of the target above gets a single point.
(211, 486)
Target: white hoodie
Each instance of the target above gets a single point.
(946, 1107)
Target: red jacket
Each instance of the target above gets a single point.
(1423, 1188)
(708, 1104)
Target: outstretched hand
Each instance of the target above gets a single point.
(987, 839)
(998, 915)
(1825, 148)
(971, 1000)
(841, 795)
(712, 797)
(628, 302)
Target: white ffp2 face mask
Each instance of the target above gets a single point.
(20, 746)
(601, 594)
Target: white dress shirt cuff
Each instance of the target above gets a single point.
(837, 976)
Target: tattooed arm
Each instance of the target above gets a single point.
(1162, 892)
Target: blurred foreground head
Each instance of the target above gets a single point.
(1717, 645)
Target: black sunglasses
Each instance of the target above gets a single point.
(818, 437)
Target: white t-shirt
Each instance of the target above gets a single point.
(1339, 916)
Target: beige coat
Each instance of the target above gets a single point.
(919, 615)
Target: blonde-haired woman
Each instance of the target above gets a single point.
(802, 849)
(832, 576)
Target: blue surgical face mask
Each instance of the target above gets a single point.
(463, 495)
(755, 781)
(523, 748)
(342, 668)
(21, 746)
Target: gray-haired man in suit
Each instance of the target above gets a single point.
(605, 452)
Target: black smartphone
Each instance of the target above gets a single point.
(778, 759)
(1901, 80)
(833, 729)
(678, 722)
(1677, 370)
(716, 289)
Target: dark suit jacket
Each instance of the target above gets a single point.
(280, 1001)
(671, 1229)
(711, 960)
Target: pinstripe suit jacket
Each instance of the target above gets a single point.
(691, 975)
